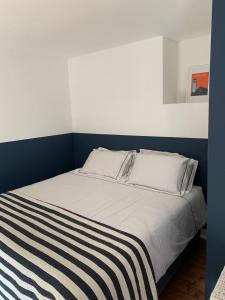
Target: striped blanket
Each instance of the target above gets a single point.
(47, 252)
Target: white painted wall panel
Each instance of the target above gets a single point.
(120, 91)
(34, 95)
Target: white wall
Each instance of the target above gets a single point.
(191, 52)
(34, 95)
(170, 70)
(120, 91)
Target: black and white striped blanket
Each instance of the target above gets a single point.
(47, 252)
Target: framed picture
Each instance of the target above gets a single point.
(198, 84)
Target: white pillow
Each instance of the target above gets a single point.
(190, 171)
(127, 164)
(190, 175)
(104, 163)
(148, 151)
(161, 172)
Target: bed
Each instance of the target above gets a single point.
(164, 223)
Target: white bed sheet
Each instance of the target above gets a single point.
(165, 223)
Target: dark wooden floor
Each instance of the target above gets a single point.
(189, 282)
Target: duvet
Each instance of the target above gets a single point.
(47, 252)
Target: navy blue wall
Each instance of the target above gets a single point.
(28, 161)
(216, 179)
(195, 148)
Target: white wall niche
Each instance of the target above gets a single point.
(179, 58)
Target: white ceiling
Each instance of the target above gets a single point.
(74, 27)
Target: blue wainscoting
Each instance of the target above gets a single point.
(28, 161)
(195, 148)
(216, 183)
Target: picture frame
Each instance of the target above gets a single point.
(198, 84)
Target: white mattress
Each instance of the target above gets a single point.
(165, 223)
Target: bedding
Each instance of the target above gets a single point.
(160, 172)
(163, 224)
(128, 162)
(105, 163)
(47, 252)
(189, 176)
